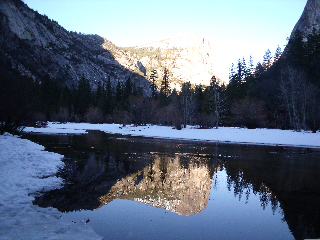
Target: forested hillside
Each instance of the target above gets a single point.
(282, 92)
(50, 74)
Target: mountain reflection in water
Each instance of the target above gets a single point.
(166, 184)
(178, 176)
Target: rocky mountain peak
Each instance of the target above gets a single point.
(309, 19)
(183, 41)
(188, 59)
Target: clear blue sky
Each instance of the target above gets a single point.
(235, 28)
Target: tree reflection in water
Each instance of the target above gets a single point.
(241, 186)
(178, 176)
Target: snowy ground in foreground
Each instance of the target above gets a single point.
(222, 134)
(25, 169)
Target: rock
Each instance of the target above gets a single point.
(188, 59)
(36, 46)
(310, 18)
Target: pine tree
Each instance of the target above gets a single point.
(198, 98)
(217, 98)
(232, 73)
(83, 97)
(241, 68)
(98, 94)
(127, 91)
(245, 69)
(153, 79)
(296, 53)
(187, 103)
(278, 52)
(109, 97)
(165, 86)
(119, 94)
(259, 70)
(267, 58)
(251, 64)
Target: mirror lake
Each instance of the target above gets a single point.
(143, 188)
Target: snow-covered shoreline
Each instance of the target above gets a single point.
(270, 137)
(25, 170)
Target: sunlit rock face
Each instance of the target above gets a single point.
(38, 46)
(310, 18)
(188, 58)
(167, 184)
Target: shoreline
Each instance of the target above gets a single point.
(225, 135)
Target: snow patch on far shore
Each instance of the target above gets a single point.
(25, 170)
(222, 134)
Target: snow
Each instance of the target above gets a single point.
(25, 170)
(222, 134)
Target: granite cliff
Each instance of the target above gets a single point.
(309, 19)
(188, 59)
(38, 46)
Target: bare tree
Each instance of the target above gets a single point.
(250, 113)
(295, 92)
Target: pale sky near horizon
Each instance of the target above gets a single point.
(235, 28)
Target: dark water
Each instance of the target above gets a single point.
(139, 188)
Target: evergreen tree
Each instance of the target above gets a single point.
(83, 97)
(198, 98)
(259, 70)
(232, 73)
(165, 89)
(119, 94)
(267, 58)
(251, 64)
(98, 94)
(278, 52)
(49, 96)
(245, 69)
(241, 70)
(109, 97)
(65, 99)
(165, 86)
(214, 84)
(187, 103)
(101, 98)
(153, 79)
(128, 89)
(296, 54)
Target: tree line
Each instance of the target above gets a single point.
(25, 101)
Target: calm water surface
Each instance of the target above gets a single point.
(140, 188)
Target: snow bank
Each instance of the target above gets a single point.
(26, 169)
(222, 134)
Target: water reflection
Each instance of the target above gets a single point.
(178, 176)
(165, 183)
